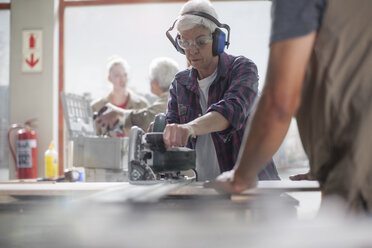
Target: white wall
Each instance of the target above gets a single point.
(4, 44)
(34, 95)
(4, 92)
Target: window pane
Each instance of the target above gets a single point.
(4, 91)
(136, 32)
(291, 158)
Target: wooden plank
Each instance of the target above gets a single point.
(262, 187)
(54, 189)
(124, 191)
(287, 185)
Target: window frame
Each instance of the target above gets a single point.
(4, 6)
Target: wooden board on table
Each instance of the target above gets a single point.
(53, 189)
(262, 187)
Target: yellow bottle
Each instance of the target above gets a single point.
(51, 162)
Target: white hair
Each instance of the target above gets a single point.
(163, 70)
(117, 60)
(186, 22)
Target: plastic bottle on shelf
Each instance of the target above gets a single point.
(51, 162)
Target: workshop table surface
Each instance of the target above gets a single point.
(47, 214)
(66, 188)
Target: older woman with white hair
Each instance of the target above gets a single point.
(120, 96)
(161, 74)
(212, 100)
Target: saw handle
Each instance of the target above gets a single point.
(155, 141)
(159, 123)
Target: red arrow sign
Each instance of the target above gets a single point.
(33, 62)
(32, 41)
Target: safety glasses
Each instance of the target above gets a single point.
(199, 42)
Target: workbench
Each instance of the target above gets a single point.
(48, 214)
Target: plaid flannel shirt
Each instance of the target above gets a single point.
(231, 94)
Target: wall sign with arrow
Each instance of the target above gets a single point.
(32, 51)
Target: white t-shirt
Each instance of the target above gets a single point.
(206, 158)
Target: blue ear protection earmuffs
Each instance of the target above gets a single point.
(219, 37)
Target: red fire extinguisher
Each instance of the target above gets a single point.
(25, 154)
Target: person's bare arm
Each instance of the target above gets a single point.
(111, 116)
(279, 103)
(178, 134)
